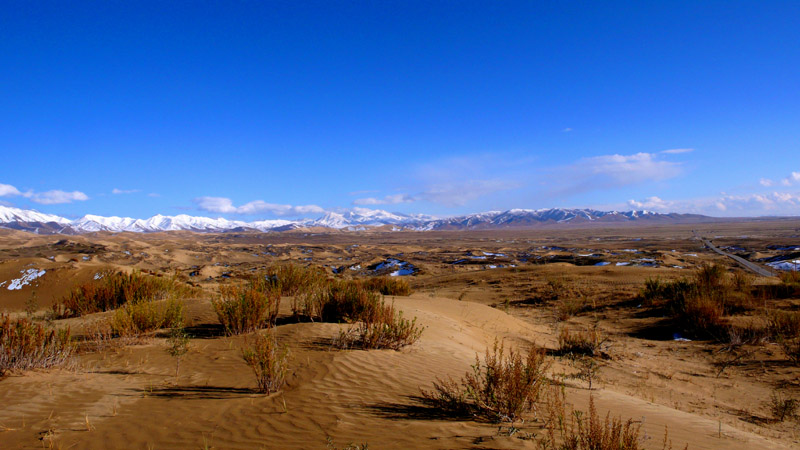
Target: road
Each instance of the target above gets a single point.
(753, 267)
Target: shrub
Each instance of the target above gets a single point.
(390, 330)
(581, 343)
(568, 307)
(341, 301)
(791, 278)
(782, 407)
(289, 279)
(792, 349)
(138, 318)
(388, 285)
(268, 360)
(26, 345)
(784, 324)
(579, 431)
(177, 346)
(246, 308)
(502, 388)
(110, 290)
(701, 314)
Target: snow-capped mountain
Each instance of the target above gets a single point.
(9, 214)
(355, 219)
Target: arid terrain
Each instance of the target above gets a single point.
(711, 387)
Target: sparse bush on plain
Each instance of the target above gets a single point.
(268, 359)
(569, 307)
(502, 387)
(248, 307)
(289, 279)
(141, 317)
(27, 345)
(580, 343)
(791, 347)
(110, 290)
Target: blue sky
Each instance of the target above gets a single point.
(267, 109)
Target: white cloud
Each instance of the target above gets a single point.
(45, 198)
(154, 195)
(124, 191)
(388, 200)
(56, 197)
(676, 151)
(225, 206)
(766, 182)
(7, 190)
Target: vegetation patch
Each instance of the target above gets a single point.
(26, 345)
(268, 359)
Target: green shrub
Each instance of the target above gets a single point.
(26, 345)
(246, 308)
(268, 360)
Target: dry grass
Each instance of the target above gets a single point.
(784, 324)
(503, 387)
(114, 289)
(26, 345)
(268, 360)
(341, 301)
(246, 308)
(289, 279)
(783, 407)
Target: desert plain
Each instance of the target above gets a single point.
(470, 289)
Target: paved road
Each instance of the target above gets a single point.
(742, 262)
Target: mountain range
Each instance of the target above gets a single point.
(354, 220)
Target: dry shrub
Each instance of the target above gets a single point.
(26, 345)
(568, 307)
(246, 308)
(791, 278)
(390, 330)
(341, 301)
(113, 289)
(581, 343)
(783, 407)
(388, 285)
(501, 388)
(784, 324)
(289, 279)
(575, 430)
(138, 318)
(792, 349)
(268, 360)
(701, 314)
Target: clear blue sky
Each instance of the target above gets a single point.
(255, 110)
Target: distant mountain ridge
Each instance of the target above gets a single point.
(357, 219)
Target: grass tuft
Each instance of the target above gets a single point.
(246, 308)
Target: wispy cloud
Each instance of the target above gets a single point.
(44, 198)
(225, 206)
(612, 171)
(124, 191)
(677, 151)
(792, 179)
(766, 182)
(387, 200)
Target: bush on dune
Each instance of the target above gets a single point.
(248, 307)
(26, 345)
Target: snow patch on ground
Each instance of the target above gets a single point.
(789, 266)
(26, 278)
